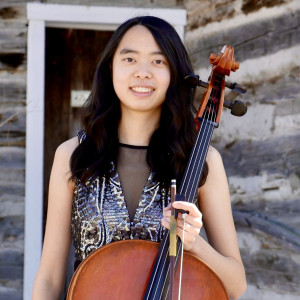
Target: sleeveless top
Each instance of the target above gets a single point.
(100, 215)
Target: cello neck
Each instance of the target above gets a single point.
(192, 174)
(158, 286)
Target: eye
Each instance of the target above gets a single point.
(159, 62)
(129, 59)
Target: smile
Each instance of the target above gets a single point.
(140, 89)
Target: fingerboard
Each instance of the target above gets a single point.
(158, 285)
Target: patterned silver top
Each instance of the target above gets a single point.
(100, 215)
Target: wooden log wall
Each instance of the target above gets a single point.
(260, 150)
(13, 44)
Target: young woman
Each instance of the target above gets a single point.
(111, 182)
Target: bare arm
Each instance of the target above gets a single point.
(51, 274)
(222, 253)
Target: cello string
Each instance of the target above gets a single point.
(166, 239)
(164, 242)
(181, 261)
(187, 179)
(192, 155)
(178, 247)
(210, 117)
(198, 148)
(204, 136)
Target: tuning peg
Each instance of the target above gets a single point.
(191, 79)
(236, 87)
(194, 81)
(238, 108)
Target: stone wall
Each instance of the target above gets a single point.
(260, 150)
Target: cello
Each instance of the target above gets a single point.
(137, 269)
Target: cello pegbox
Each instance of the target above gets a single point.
(224, 61)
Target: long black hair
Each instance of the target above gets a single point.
(171, 143)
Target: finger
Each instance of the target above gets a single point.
(167, 207)
(188, 238)
(167, 213)
(190, 207)
(194, 221)
(165, 223)
(188, 228)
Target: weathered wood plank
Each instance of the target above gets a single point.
(269, 239)
(203, 13)
(13, 121)
(12, 157)
(277, 155)
(135, 3)
(252, 40)
(277, 90)
(12, 94)
(12, 229)
(262, 221)
(13, 12)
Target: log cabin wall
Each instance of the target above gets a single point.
(13, 39)
(260, 150)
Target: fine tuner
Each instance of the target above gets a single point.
(238, 108)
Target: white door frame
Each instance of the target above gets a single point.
(39, 17)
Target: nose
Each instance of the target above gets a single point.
(143, 71)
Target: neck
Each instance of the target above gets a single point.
(137, 129)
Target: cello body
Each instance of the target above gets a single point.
(121, 271)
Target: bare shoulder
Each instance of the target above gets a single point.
(213, 156)
(216, 171)
(66, 149)
(62, 156)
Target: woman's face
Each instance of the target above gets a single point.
(140, 72)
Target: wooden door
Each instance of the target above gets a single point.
(71, 59)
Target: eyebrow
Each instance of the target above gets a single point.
(126, 50)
